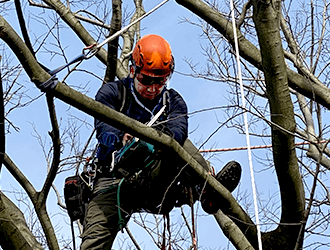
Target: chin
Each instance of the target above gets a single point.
(149, 97)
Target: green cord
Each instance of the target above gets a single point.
(121, 221)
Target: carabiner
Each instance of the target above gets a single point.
(92, 50)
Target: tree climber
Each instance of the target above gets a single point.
(166, 181)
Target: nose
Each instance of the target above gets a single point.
(151, 88)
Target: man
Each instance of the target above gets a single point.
(166, 180)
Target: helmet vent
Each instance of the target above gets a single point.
(153, 55)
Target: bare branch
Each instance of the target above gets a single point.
(34, 196)
(55, 135)
(232, 231)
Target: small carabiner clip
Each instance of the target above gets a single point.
(92, 50)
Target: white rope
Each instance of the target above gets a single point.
(246, 125)
(95, 48)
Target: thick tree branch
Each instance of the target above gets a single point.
(22, 25)
(14, 232)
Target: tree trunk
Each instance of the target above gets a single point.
(266, 15)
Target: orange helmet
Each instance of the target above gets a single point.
(152, 57)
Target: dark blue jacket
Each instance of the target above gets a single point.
(110, 138)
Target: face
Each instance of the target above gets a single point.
(148, 87)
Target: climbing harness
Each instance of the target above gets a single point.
(134, 153)
(246, 125)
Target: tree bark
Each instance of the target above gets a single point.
(266, 16)
(111, 70)
(233, 232)
(14, 232)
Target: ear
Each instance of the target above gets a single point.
(131, 71)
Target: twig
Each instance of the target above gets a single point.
(132, 238)
(2, 124)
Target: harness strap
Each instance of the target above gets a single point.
(74, 60)
(73, 236)
(51, 83)
(48, 85)
(166, 98)
(122, 95)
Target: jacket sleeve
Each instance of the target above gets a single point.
(177, 120)
(108, 136)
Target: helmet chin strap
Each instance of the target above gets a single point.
(132, 71)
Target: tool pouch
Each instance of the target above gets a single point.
(76, 195)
